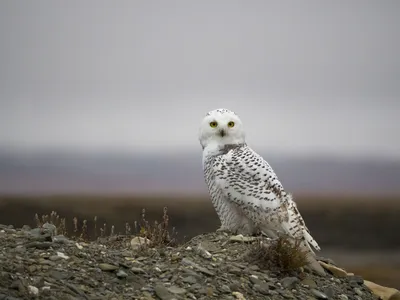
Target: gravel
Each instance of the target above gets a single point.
(39, 264)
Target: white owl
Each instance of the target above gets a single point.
(245, 191)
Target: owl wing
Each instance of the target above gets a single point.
(247, 180)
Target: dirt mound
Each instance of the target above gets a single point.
(40, 264)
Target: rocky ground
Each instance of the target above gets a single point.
(39, 264)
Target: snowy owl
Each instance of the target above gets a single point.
(245, 191)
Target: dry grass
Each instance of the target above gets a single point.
(158, 234)
(282, 254)
(53, 219)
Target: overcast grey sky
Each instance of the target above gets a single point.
(306, 77)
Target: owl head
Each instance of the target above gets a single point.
(221, 127)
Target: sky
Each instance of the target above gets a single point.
(307, 78)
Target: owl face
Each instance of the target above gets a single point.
(221, 127)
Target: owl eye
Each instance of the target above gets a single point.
(213, 124)
(231, 124)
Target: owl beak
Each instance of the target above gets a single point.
(222, 133)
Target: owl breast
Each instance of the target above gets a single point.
(231, 216)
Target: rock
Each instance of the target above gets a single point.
(163, 293)
(241, 238)
(343, 297)
(49, 228)
(338, 272)
(60, 239)
(358, 292)
(289, 282)
(39, 245)
(225, 289)
(309, 282)
(238, 296)
(189, 279)
(107, 267)
(188, 262)
(62, 255)
(318, 294)
(138, 242)
(356, 281)
(177, 290)
(329, 291)
(203, 252)
(121, 274)
(262, 288)
(33, 290)
(59, 275)
(137, 270)
(384, 292)
(26, 228)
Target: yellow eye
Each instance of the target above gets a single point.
(213, 124)
(231, 124)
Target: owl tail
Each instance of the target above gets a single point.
(296, 227)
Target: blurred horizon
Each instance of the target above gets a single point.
(181, 174)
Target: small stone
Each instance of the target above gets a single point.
(309, 282)
(254, 280)
(138, 242)
(238, 295)
(58, 274)
(39, 245)
(262, 288)
(121, 274)
(343, 297)
(225, 289)
(188, 262)
(26, 228)
(32, 268)
(162, 292)
(254, 268)
(329, 291)
(319, 294)
(50, 228)
(137, 270)
(61, 239)
(33, 290)
(203, 252)
(358, 292)
(356, 280)
(241, 238)
(189, 279)
(286, 294)
(107, 267)
(338, 272)
(62, 255)
(289, 282)
(55, 258)
(177, 290)
(235, 270)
